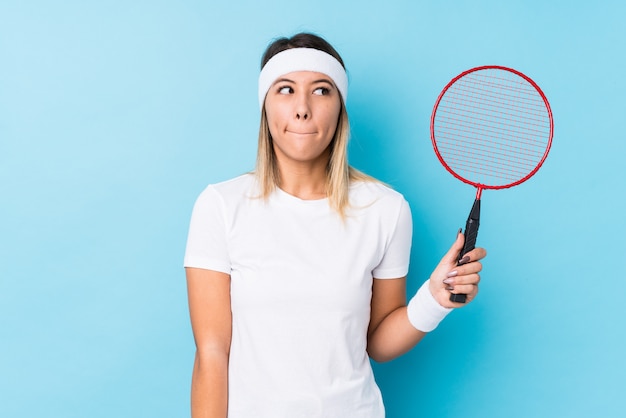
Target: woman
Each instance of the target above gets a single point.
(296, 272)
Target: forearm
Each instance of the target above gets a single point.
(394, 336)
(405, 326)
(209, 386)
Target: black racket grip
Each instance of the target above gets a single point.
(471, 233)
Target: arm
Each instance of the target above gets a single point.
(209, 308)
(390, 333)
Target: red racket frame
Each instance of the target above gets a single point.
(481, 186)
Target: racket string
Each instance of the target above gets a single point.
(518, 119)
(492, 138)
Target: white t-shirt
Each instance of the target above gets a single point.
(301, 287)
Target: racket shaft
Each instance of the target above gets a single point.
(471, 234)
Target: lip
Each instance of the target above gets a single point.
(301, 133)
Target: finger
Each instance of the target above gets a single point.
(453, 253)
(475, 255)
(469, 279)
(471, 295)
(474, 267)
(470, 268)
(466, 289)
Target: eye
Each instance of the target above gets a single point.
(285, 90)
(321, 91)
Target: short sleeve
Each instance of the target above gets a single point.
(395, 262)
(206, 242)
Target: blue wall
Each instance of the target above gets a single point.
(114, 116)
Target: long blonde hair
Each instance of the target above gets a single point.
(339, 174)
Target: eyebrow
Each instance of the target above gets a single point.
(321, 80)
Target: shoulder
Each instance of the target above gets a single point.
(366, 192)
(381, 209)
(235, 188)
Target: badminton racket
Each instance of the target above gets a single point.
(492, 128)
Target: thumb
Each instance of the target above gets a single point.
(453, 253)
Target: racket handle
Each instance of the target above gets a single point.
(471, 233)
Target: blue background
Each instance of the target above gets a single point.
(114, 115)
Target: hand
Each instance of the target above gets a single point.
(458, 279)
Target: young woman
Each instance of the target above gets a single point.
(296, 272)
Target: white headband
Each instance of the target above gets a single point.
(302, 59)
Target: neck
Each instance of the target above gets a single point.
(304, 181)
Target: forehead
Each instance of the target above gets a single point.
(304, 77)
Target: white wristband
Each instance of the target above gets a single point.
(424, 312)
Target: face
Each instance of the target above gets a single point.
(302, 110)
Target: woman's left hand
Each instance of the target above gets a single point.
(448, 277)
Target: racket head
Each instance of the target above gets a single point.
(492, 127)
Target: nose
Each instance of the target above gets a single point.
(302, 109)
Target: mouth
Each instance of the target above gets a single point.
(301, 133)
